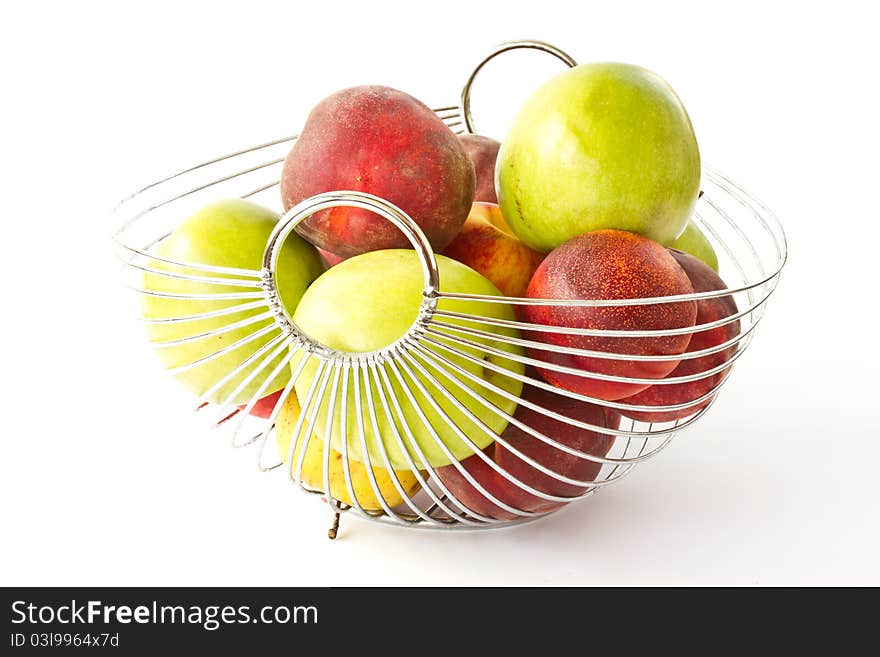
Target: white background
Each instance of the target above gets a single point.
(106, 478)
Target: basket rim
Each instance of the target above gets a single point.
(241, 277)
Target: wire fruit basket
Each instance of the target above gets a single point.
(397, 420)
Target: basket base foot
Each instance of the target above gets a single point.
(334, 529)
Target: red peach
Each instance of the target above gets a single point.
(486, 244)
(384, 142)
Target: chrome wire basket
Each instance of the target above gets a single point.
(397, 421)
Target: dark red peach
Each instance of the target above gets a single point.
(483, 152)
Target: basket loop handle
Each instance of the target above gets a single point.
(504, 47)
(306, 208)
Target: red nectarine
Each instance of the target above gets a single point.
(703, 279)
(563, 463)
(609, 264)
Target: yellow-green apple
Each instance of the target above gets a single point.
(603, 145)
(610, 264)
(695, 242)
(560, 462)
(382, 141)
(483, 152)
(370, 301)
(486, 244)
(703, 279)
(228, 233)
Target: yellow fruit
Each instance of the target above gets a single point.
(313, 466)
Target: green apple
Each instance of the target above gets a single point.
(693, 241)
(368, 302)
(228, 233)
(599, 146)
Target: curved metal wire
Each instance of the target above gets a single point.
(499, 50)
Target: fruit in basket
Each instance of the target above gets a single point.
(228, 233)
(486, 244)
(313, 467)
(572, 466)
(370, 301)
(381, 141)
(693, 241)
(483, 152)
(331, 259)
(264, 406)
(599, 146)
(609, 264)
(703, 279)
(563, 463)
